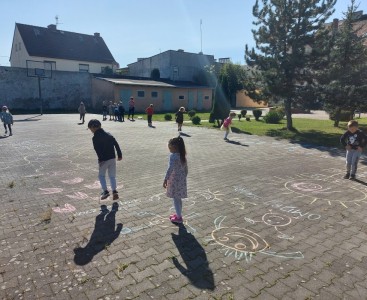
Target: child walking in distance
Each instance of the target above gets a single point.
(82, 111)
(104, 110)
(180, 118)
(353, 140)
(227, 125)
(150, 111)
(105, 145)
(175, 179)
(7, 119)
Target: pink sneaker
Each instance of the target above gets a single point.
(172, 216)
(176, 219)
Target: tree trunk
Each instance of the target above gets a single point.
(337, 117)
(288, 112)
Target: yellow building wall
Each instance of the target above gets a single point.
(242, 100)
(141, 103)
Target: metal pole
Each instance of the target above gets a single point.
(40, 94)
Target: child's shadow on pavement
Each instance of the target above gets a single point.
(103, 235)
(192, 253)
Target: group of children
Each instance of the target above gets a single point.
(174, 182)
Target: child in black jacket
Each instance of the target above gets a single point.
(105, 145)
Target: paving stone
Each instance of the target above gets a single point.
(322, 248)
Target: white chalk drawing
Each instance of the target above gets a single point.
(50, 191)
(293, 210)
(275, 220)
(159, 221)
(66, 209)
(246, 192)
(78, 196)
(242, 243)
(73, 181)
(94, 186)
(329, 191)
(242, 204)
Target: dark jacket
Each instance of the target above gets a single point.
(355, 140)
(105, 144)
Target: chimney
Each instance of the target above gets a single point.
(51, 27)
(335, 25)
(96, 34)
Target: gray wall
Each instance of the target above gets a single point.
(64, 90)
(188, 65)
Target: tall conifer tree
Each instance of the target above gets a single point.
(285, 29)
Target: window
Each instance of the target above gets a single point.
(141, 94)
(206, 97)
(181, 97)
(154, 94)
(19, 47)
(16, 47)
(50, 64)
(83, 68)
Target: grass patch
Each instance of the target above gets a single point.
(307, 131)
(11, 184)
(160, 116)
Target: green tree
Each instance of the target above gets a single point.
(285, 28)
(341, 67)
(155, 74)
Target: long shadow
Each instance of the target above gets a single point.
(360, 181)
(311, 139)
(184, 134)
(236, 143)
(103, 235)
(236, 130)
(29, 119)
(3, 136)
(192, 253)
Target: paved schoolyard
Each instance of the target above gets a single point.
(265, 219)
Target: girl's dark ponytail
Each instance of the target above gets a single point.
(181, 149)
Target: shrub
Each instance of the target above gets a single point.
(248, 119)
(280, 110)
(239, 117)
(191, 113)
(345, 116)
(196, 120)
(257, 114)
(168, 117)
(243, 112)
(273, 117)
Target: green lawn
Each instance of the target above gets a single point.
(310, 131)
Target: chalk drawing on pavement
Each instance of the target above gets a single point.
(242, 243)
(157, 220)
(50, 191)
(66, 209)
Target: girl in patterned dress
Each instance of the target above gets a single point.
(175, 179)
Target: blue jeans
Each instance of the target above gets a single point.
(110, 167)
(352, 159)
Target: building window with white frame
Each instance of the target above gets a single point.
(154, 94)
(141, 94)
(83, 68)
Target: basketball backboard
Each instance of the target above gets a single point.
(39, 69)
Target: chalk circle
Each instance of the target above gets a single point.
(274, 219)
(326, 190)
(239, 239)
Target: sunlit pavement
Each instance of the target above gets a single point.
(265, 219)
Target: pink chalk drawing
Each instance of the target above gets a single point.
(73, 181)
(49, 191)
(68, 208)
(94, 186)
(78, 196)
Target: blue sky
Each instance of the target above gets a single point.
(143, 28)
